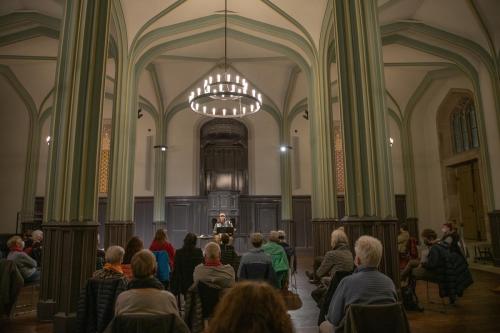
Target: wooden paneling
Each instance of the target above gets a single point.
(495, 235)
(143, 218)
(301, 215)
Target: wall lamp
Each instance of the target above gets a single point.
(161, 147)
(284, 148)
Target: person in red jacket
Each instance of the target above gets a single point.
(161, 243)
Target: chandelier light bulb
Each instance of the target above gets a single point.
(244, 110)
(198, 91)
(228, 77)
(223, 112)
(253, 92)
(210, 80)
(218, 77)
(237, 79)
(234, 111)
(213, 111)
(204, 109)
(251, 107)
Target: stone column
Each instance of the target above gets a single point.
(495, 235)
(160, 177)
(369, 197)
(323, 198)
(70, 221)
(286, 185)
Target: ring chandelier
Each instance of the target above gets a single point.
(225, 94)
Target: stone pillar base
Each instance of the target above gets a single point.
(321, 235)
(64, 323)
(495, 235)
(118, 233)
(386, 230)
(288, 226)
(69, 259)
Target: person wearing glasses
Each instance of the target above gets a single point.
(222, 223)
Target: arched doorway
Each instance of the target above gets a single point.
(459, 150)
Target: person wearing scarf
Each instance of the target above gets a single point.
(27, 266)
(212, 272)
(145, 295)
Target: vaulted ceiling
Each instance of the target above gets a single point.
(414, 32)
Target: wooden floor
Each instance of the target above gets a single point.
(477, 311)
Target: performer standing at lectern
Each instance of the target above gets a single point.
(222, 223)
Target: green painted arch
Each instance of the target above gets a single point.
(214, 21)
(21, 91)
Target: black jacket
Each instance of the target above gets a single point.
(185, 262)
(451, 268)
(96, 305)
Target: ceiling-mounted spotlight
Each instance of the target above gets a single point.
(161, 147)
(306, 115)
(139, 114)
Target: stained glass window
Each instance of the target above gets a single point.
(464, 126)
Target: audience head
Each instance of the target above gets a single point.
(15, 242)
(217, 238)
(190, 241)
(37, 235)
(447, 227)
(161, 236)
(251, 307)
(134, 245)
(281, 235)
(114, 255)
(339, 237)
(256, 239)
(27, 234)
(368, 251)
(224, 239)
(222, 217)
(212, 251)
(143, 264)
(274, 236)
(429, 236)
(403, 227)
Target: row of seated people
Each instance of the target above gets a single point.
(193, 272)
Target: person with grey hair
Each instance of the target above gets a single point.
(278, 256)
(145, 294)
(366, 285)
(113, 267)
(33, 247)
(27, 266)
(212, 272)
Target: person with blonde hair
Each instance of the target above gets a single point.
(339, 258)
(145, 294)
(27, 266)
(251, 307)
(366, 285)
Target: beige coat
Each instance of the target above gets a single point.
(147, 301)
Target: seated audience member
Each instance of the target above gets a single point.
(365, 286)
(35, 248)
(161, 243)
(134, 245)
(26, 265)
(186, 259)
(451, 236)
(403, 238)
(228, 255)
(290, 251)
(429, 237)
(251, 307)
(340, 258)
(112, 268)
(446, 267)
(278, 256)
(257, 256)
(212, 272)
(145, 295)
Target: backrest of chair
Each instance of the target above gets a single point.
(147, 323)
(209, 298)
(163, 266)
(387, 318)
(334, 283)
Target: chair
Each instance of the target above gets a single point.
(209, 298)
(259, 272)
(387, 318)
(11, 283)
(170, 323)
(327, 298)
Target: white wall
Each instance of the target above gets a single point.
(14, 128)
(183, 154)
(428, 178)
(145, 128)
(301, 156)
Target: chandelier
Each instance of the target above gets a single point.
(225, 94)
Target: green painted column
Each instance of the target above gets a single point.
(70, 220)
(370, 207)
(160, 177)
(287, 223)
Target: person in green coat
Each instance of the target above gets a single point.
(278, 256)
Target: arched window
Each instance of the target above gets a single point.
(464, 126)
